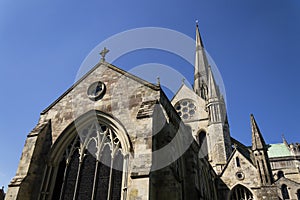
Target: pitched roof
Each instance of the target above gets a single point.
(278, 150)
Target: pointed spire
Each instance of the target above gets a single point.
(257, 139)
(213, 89)
(201, 65)
(199, 42)
(285, 141)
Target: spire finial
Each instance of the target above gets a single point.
(197, 22)
(284, 140)
(158, 81)
(103, 54)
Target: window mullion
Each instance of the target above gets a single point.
(81, 157)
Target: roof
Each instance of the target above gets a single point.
(278, 150)
(242, 148)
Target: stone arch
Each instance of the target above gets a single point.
(239, 191)
(109, 138)
(70, 132)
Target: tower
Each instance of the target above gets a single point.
(218, 127)
(259, 150)
(218, 137)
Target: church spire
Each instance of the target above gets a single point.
(213, 89)
(201, 67)
(260, 155)
(258, 142)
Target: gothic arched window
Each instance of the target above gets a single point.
(240, 192)
(298, 194)
(237, 161)
(202, 139)
(285, 192)
(91, 166)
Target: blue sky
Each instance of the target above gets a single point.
(254, 43)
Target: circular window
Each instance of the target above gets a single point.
(96, 90)
(186, 108)
(178, 107)
(192, 112)
(191, 105)
(184, 103)
(185, 116)
(240, 175)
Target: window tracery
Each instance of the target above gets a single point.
(186, 109)
(91, 166)
(240, 192)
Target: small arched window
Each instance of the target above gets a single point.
(285, 192)
(237, 162)
(280, 174)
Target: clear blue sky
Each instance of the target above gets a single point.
(254, 43)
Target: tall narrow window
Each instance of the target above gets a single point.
(298, 194)
(237, 161)
(91, 167)
(285, 192)
(203, 144)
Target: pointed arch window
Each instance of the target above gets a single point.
(240, 192)
(298, 194)
(91, 167)
(202, 140)
(285, 192)
(237, 161)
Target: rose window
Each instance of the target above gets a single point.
(186, 109)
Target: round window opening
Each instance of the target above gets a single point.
(96, 90)
(240, 175)
(186, 109)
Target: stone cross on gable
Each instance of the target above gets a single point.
(103, 53)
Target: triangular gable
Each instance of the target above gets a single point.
(116, 69)
(242, 148)
(245, 168)
(185, 92)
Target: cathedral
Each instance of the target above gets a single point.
(97, 141)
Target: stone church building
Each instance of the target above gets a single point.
(97, 141)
